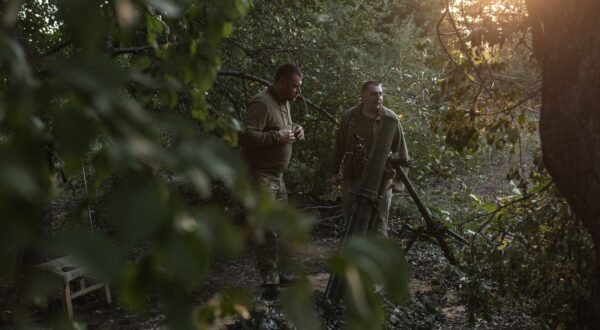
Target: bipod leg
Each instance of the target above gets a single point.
(411, 242)
(334, 290)
(444, 246)
(432, 225)
(420, 232)
(335, 285)
(413, 239)
(401, 232)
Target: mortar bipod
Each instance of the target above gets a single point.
(432, 228)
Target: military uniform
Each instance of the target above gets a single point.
(267, 158)
(358, 128)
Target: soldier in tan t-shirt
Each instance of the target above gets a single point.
(267, 147)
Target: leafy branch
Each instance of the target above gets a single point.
(493, 213)
(244, 75)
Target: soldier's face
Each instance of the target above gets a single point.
(293, 87)
(372, 97)
(289, 89)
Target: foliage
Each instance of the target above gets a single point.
(526, 244)
(374, 40)
(77, 93)
(119, 89)
(364, 264)
(530, 245)
(133, 92)
(490, 90)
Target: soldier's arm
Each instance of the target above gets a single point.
(399, 145)
(255, 121)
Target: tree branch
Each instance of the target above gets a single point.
(129, 50)
(511, 107)
(439, 35)
(247, 76)
(56, 48)
(506, 205)
(463, 44)
(244, 75)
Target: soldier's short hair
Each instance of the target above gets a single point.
(368, 83)
(287, 71)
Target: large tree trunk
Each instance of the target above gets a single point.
(566, 37)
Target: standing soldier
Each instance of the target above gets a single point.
(267, 147)
(360, 125)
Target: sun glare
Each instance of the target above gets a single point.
(473, 11)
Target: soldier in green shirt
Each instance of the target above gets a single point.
(360, 125)
(267, 147)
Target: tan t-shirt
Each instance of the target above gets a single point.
(260, 141)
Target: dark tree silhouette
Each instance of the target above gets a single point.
(567, 44)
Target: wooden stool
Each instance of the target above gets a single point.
(69, 269)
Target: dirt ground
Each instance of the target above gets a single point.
(435, 300)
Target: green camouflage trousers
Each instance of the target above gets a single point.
(348, 195)
(268, 252)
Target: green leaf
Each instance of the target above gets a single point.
(489, 207)
(363, 263)
(227, 29)
(94, 76)
(184, 257)
(19, 179)
(137, 212)
(142, 62)
(216, 229)
(299, 306)
(475, 198)
(383, 261)
(85, 22)
(12, 53)
(242, 6)
(74, 130)
(153, 28)
(213, 157)
(137, 281)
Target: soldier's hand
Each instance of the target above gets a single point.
(299, 132)
(287, 136)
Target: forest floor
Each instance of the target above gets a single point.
(436, 299)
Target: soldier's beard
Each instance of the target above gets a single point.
(376, 107)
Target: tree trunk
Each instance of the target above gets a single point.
(566, 37)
